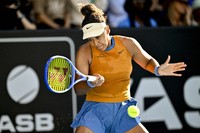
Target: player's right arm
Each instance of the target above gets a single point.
(83, 60)
(82, 64)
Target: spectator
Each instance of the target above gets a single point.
(26, 7)
(25, 23)
(156, 5)
(139, 14)
(12, 18)
(196, 13)
(53, 14)
(177, 13)
(117, 16)
(156, 11)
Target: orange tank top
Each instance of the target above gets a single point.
(116, 67)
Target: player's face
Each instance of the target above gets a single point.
(102, 42)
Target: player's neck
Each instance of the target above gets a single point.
(111, 43)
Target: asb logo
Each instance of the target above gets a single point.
(23, 84)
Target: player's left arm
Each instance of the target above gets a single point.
(146, 61)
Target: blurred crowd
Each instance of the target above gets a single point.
(59, 14)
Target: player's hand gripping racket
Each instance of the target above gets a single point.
(59, 74)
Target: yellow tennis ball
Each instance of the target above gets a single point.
(133, 111)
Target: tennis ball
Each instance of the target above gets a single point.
(133, 111)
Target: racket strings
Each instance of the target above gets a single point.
(59, 74)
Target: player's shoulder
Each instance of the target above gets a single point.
(84, 49)
(125, 39)
(85, 46)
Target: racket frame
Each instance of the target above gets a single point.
(74, 71)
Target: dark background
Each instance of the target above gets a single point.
(180, 42)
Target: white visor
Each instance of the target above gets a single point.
(93, 29)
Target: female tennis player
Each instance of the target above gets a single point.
(109, 58)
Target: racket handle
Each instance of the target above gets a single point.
(91, 78)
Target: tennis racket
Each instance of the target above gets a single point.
(59, 74)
